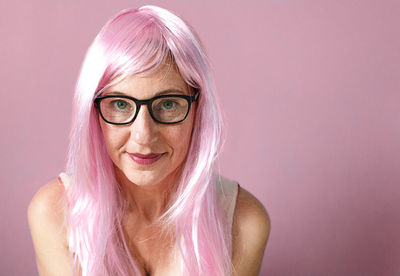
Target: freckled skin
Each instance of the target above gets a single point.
(146, 136)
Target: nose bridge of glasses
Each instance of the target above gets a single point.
(143, 130)
(147, 105)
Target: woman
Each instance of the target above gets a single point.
(140, 196)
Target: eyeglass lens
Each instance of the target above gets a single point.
(166, 109)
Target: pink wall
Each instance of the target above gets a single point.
(310, 92)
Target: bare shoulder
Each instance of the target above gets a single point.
(251, 214)
(46, 222)
(47, 205)
(251, 228)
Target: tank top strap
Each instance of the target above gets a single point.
(64, 181)
(228, 193)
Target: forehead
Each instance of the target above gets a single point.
(144, 87)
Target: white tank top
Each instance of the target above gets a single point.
(227, 192)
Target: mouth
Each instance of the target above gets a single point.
(145, 159)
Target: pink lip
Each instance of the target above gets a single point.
(145, 159)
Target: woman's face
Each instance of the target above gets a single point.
(145, 151)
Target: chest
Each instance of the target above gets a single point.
(152, 248)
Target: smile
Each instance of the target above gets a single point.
(145, 159)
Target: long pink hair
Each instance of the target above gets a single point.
(138, 42)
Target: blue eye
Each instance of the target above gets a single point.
(120, 104)
(168, 104)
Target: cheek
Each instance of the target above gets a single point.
(182, 138)
(113, 138)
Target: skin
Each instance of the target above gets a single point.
(147, 189)
(154, 182)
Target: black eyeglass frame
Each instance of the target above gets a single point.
(149, 102)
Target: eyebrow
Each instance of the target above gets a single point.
(163, 92)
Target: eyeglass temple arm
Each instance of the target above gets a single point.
(196, 95)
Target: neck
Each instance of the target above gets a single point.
(147, 202)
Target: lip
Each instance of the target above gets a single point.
(145, 159)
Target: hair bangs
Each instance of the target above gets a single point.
(132, 47)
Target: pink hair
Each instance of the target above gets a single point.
(138, 42)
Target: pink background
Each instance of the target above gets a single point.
(310, 92)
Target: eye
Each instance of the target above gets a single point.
(168, 104)
(120, 104)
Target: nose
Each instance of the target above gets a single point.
(144, 129)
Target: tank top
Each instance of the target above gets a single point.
(227, 193)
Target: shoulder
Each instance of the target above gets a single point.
(250, 212)
(47, 203)
(251, 228)
(46, 215)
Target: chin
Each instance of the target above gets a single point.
(144, 179)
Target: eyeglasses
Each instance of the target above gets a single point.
(164, 109)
